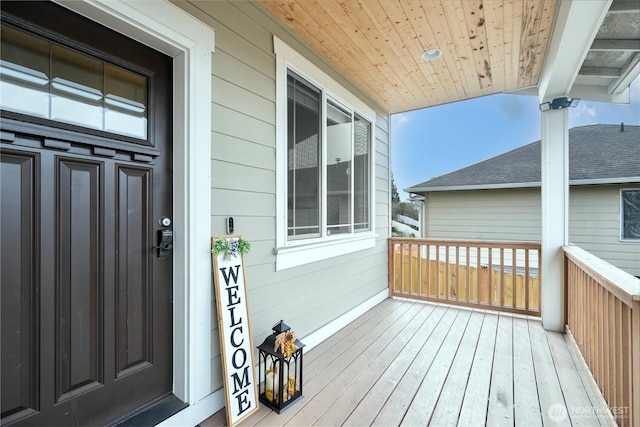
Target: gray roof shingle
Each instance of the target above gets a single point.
(596, 153)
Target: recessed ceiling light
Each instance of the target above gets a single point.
(431, 54)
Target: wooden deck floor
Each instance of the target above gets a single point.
(408, 363)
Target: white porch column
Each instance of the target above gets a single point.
(576, 26)
(555, 215)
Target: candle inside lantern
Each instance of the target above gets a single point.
(271, 386)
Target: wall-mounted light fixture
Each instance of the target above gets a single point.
(559, 104)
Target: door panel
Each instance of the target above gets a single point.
(19, 319)
(133, 321)
(78, 284)
(86, 303)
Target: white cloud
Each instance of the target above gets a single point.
(586, 113)
(400, 119)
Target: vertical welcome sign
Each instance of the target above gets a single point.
(236, 343)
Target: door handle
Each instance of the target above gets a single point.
(165, 244)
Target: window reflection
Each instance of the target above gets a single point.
(76, 88)
(339, 154)
(125, 102)
(44, 79)
(24, 73)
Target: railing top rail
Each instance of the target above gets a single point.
(622, 284)
(468, 242)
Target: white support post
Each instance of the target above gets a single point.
(576, 26)
(555, 215)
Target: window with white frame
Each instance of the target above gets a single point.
(325, 161)
(630, 214)
(328, 164)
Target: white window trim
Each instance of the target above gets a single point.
(621, 234)
(292, 253)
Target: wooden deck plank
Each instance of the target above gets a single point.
(340, 357)
(525, 392)
(476, 396)
(552, 403)
(368, 408)
(317, 404)
(323, 353)
(451, 398)
(424, 402)
(500, 411)
(432, 364)
(348, 396)
(353, 331)
(581, 411)
(395, 407)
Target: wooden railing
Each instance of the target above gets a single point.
(603, 316)
(487, 274)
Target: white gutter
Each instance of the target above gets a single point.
(573, 182)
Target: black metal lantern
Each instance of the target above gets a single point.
(280, 368)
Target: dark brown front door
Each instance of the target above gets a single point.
(86, 301)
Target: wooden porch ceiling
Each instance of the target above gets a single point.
(488, 46)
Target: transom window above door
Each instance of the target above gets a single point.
(44, 79)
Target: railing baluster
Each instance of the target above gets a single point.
(514, 278)
(428, 255)
(438, 295)
(447, 272)
(502, 296)
(479, 295)
(467, 279)
(526, 279)
(411, 287)
(458, 272)
(489, 273)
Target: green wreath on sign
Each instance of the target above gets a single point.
(231, 247)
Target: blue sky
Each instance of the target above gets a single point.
(434, 141)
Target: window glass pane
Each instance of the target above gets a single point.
(47, 80)
(339, 155)
(76, 88)
(631, 214)
(303, 158)
(361, 177)
(24, 69)
(125, 102)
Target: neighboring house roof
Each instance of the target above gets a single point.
(598, 154)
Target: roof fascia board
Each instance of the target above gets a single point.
(572, 182)
(575, 28)
(472, 187)
(605, 181)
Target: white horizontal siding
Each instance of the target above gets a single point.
(495, 214)
(243, 182)
(514, 214)
(594, 225)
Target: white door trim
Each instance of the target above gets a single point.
(168, 29)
